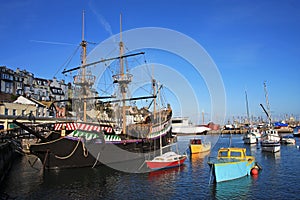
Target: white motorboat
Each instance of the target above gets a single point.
(181, 125)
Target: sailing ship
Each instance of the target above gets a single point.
(105, 136)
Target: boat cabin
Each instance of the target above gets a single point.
(238, 153)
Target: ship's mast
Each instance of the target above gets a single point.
(83, 45)
(123, 79)
(154, 93)
(84, 80)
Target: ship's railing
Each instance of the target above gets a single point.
(122, 78)
(84, 80)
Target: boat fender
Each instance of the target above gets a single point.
(254, 171)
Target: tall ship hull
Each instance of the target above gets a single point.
(89, 145)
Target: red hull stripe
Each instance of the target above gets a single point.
(86, 127)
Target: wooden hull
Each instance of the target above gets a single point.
(231, 163)
(225, 171)
(91, 148)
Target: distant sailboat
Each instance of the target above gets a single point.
(249, 137)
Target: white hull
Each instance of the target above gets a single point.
(288, 140)
(249, 138)
(271, 135)
(270, 146)
(190, 129)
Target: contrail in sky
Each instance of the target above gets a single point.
(102, 20)
(56, 43)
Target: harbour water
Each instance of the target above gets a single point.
(278, 178)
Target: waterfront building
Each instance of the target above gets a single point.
(27, 79)
(6, 80)
(45, 94)
(58, 89)
(22, 82)
(16, 109)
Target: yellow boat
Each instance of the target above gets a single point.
(198, 146)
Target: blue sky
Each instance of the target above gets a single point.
(249, 41)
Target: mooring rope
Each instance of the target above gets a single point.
(68, 156)
(96, 160)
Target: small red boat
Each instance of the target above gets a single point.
(166, 160)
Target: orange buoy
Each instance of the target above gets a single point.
(254, 171)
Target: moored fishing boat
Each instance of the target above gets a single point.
(231, 163)
(256, 132)
(249, 138)
(270, 146)
(270, 140)
(198, 146)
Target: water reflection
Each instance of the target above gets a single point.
(273, 157)
(167, 174)
(198, 160)
(234, 189)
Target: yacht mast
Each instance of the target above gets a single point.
(247, 107)
(267, 102)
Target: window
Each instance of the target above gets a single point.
(14, 112)
(236, 154)
(223, 154)
(6, 111)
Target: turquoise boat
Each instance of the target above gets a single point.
(231, 163)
